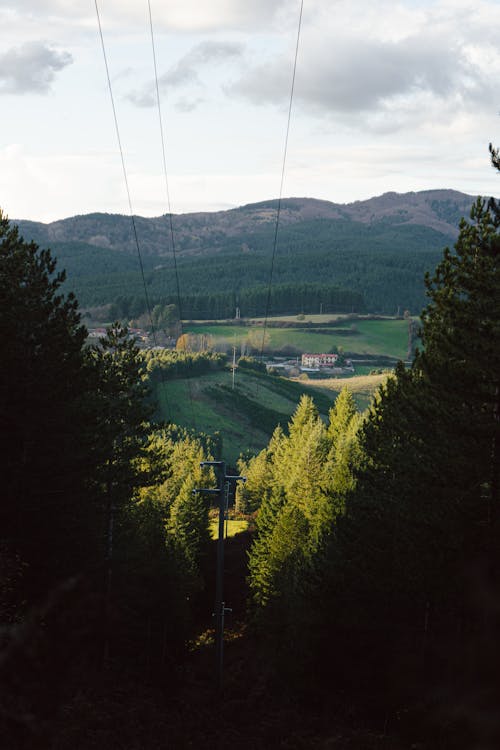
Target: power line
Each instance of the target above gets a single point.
(127, 188)
(278, 211)
(167, 192)
(285, 149)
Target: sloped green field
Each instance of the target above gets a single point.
(245, 416)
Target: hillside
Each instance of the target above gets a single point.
(439, 210)
(246, 416)
(372, 253)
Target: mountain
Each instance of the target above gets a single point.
(439, 210)
(368, 255)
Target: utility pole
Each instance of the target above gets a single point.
(220, 609)
(234, 363)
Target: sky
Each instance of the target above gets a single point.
(390, 95)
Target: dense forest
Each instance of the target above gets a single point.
(372, 616)
(361, 259)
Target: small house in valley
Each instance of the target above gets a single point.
(319, 360)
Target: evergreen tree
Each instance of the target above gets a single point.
(295, 492)
(345, 453)
(118, 408)
(420, 534)
(461, 356)
(185, 514)
(45, 436)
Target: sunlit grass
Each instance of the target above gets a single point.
(231, 527)
(362, 387)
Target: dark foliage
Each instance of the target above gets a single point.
(397, 598)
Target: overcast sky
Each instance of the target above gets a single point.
(390, 95)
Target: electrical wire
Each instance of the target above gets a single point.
(278, 210)
(167, 193)
(165, 172)
(285, 150)
(127, 188)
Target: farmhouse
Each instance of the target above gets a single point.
(319, 360)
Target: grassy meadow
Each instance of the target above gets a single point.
(245, 416)
(387, 337)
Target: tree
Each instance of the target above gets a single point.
(179, 453)
(461, 355)
(428, 493)
(345, 454)
(419, 538)
(166, 318)
(45, 434)
(296, 491)
(120, 412)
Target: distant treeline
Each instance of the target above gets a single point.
(384, 264)
(283, 299)
(165, 363)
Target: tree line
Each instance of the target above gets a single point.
(163, 364)
(376, 564)
(290, 298)
(103, 544)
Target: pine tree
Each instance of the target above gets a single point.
(461, 355)
(344, 454)
(420, 532)
(45, 437)
(295, 492)
(185, 513)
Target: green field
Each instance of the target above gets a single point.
(386, 337)
(245, 417)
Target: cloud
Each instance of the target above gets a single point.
(176, 15)
(188, 105)
(347, 75)
(361, 70)
(185, 71)
(31, 68)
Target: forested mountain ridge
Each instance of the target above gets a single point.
(371, 254)
(439, 210)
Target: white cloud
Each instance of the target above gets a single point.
(392, 94)
(185, 71)
(175, 15)
(188, 105)
(382, 67)
(49, 187)
(31, 68)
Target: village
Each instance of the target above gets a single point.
(324, 364)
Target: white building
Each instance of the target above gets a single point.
(319, 360)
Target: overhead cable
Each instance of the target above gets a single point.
(125, 178)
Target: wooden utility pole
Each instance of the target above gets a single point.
(234, 363)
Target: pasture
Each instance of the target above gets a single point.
(246, 416)
(381, 337)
